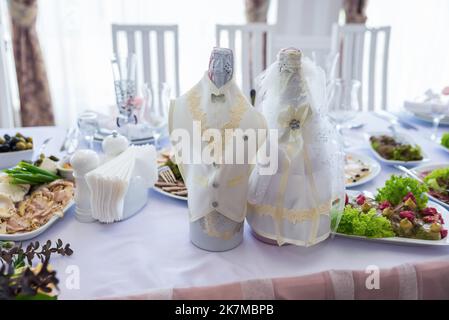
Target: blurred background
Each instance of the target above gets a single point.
(71, 43)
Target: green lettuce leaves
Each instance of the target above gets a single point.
(397, 187)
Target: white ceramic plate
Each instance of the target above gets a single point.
(413, 108)
(10, 159)
(405, 241)
(401, 137)
(371, 163)
(168, 194)
(441, 147)
(430, 167)
(38, 231)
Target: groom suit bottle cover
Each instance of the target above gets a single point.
(218, 189)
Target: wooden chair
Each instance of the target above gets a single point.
(363, 52)
(154, 61)
(250, 44)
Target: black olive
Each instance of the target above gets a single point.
(4, 148)
(7, 137)
(13, 141)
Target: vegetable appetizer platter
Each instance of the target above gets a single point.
(436, 179)
(400, 213)
(397, 149)
(33, 196)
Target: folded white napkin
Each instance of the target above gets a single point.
(425, 104)
(109, 182)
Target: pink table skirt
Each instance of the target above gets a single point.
(419, 281)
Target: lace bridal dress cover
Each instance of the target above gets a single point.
(294, 205)
(217, 191)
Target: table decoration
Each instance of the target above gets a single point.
(218, 188)
(293, 205)
(20, 279)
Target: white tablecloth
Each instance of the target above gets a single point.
(152, 249)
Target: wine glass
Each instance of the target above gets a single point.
(155, 108)
(88, 126)
(438, 111)
(343, 103)
(124, 72)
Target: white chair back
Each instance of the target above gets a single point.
(363, 56)
(250, 44)
(319, 46)
(157, 56)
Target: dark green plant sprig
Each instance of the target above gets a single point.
(27, 284)
(18, 280)
(19, 257)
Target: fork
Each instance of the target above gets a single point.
(43, 146)
(167, 174)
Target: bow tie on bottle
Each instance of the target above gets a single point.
(218, 97)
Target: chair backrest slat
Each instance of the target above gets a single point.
(350, 40)
(145, 32)
(253, 49)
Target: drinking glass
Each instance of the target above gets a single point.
(343, 103)
(124, 72)
(88, 126)
(156, 102)
(438, 112)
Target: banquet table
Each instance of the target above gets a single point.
(152, 249)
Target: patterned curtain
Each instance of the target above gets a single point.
(355, 11)
(257, 10)
(35, 101)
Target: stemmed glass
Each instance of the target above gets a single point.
(124, 72)
(88, 126)
(343, 103)
(438, 112)
(155, 108)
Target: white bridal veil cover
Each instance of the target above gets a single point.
(297, 203)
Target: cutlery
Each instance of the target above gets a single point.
(167, 174)
(394, 120)
(409, 172)
(68, 136)
(43, 146)
(355, 126)
(412, 174)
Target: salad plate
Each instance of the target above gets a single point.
(399, 145)
(360, 169)
(423, 171)
(406, 220)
